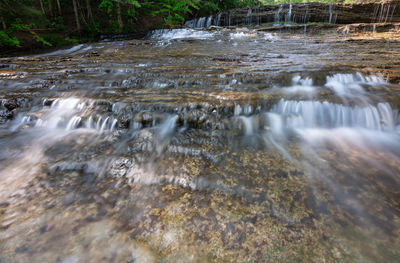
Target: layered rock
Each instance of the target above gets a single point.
(385, 12)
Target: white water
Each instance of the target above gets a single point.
(364, 126)
(170, 34)
(315, 114)
(352, 85)
(78, 49)
(209, 21)
(202, 22)
(167, 127)
(248, 17)
(299, 86)
(278, 14)
(313, 134)
(65, 115)
(289, 14)
(383, 13)
(218, 19)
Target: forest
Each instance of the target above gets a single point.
(30, 24)
(41, 23)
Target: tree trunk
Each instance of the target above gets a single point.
(89, 11)
(3, 23)
(81, 12)
(41, 5)
(59, 7)
(78, 25)
(119, 17)
(51, 8)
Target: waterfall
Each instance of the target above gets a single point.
(73, 123)
(315, 114)
(248, 17)
(243, 110)
(278, 14)
(68, 114)
(191, 23)
(201, 22)
(391, 16)
(218, 19)
(169, 34)
(305, 19)
(351, 85)
(332, 15)
(289, 14)
(383, 13)
(166, 128)
(209, 21)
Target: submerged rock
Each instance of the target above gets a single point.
(159, 150)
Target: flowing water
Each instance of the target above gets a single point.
(202, 145)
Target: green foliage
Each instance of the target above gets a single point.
(107, 5)
(128, 10)
(40, 39)
(174, 11)
(318, 23)
(57, 40)
(18, 26)
(43, 22)
(207, 7)
(6, 40)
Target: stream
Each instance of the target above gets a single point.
(202, 145)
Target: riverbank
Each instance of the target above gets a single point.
(37, 36)
(206, 145)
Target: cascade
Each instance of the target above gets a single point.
(248, 17)
(196, 145)
(277, 14)
(383, 13)
(218, 23)
(330, 13)
(288, 17)
(201, 22)
(209, 21)
(315, 114)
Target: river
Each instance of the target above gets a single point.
(203, 145)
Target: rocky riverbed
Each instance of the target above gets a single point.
(204, 145)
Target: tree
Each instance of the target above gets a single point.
(78, 25)
(89, 10)
(110, 5)
(59, 7)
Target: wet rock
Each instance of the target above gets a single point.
(92, 54)
(22, 249)
(46, 228)
(4, 204)
(227, 59)
(5, 115)
(8, 107)
(312, 12)
(369, 27)
(68, 199)
(120, 167)
(49, 205)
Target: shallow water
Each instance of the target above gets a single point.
(202, 145)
